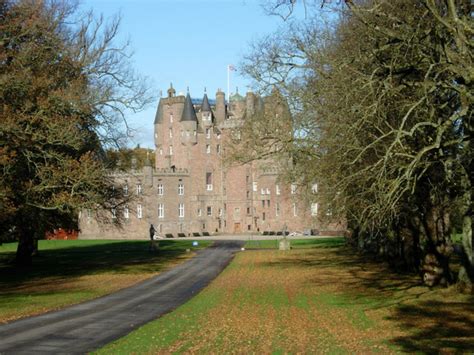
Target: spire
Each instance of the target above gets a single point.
(205, 107)
(188, 112)
(159, 113)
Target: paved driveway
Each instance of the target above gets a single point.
(90, 325)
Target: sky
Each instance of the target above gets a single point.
(188, 43)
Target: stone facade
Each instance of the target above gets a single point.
(192, 189)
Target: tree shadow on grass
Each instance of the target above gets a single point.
(129, 257)
(435, 326)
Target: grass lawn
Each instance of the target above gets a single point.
(71, 271)
(322, 299)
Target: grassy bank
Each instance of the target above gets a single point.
(316, 300)
(71, 271)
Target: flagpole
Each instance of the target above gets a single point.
(228, 83)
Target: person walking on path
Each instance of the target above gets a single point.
(152, 238)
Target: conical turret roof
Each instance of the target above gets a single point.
(188, 112)
(205, 107)
(159, 113)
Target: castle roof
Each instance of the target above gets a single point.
(159, 113)
(188, 112)
(237, 97)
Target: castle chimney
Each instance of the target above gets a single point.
(220, 106)
(250, 103)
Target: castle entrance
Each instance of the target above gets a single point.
(237, 228)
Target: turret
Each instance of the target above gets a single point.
(237, 104)
(206, 112)
(188, 123)
(220, 107)
(158, 123)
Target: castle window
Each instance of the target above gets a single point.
(125, 190)
(89, 213)
(180, 189)
(171, 150)
(268, 203)
(248, 210)
(295, 210)
(181, 210)
(268, 191)
(161, 210)
(209, 210)
(248, 194)
(220, 212)
(171, 133)
(161, 151)
(277, 189)
(208, 148)
(263, 216)
(293, 189)
(208, 133)
(126, 214)
(262, 191)
(247, 179)
(277, 210)
(139, 189)
(160, 190)
(171, 118)
(314, 209)
(199, 212)
(263, 203)
(254, 185)
(218, 149)
(209, 181)
(314, 188)
(218, 136)
(139, 211)
(114, 213)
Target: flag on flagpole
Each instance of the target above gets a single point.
(231, 67)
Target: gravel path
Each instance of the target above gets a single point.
(90, 325)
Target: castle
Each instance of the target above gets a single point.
(192, 190)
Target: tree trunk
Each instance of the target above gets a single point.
(24, 250)
(26, 246)
(466, 272)
(436, 268)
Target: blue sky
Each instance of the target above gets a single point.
(186, 42)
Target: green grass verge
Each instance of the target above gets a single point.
(330, 242)
(70, 271)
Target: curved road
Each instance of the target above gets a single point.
(90, 325)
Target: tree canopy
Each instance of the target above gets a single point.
(382, 114)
